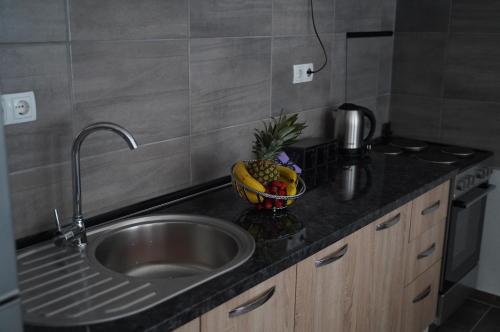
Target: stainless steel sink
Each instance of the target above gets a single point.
(156, 249)
(127, 267)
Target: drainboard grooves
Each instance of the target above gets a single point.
(50, 281)
(60, 298)
(26, 261)
(41, 266)
(56, 289)
(130, 304)
(116, 298)
(86, 299)
(41, 275)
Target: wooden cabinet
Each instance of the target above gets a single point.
(382, 278)
(357, 283)
(420, 300)
(327, 296)
(268, 307)
(387, 258)
(192, 326)
(429, 209)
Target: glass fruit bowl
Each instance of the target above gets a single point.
(267, 200)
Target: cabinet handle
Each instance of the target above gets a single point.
(389, 223)
(252, 304)
(332, 258)
(422, 295)
(427, 252)
(431, 208)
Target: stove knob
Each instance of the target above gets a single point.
(470, 180)
(461, 185)
(481, 174)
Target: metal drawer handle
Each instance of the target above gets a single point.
(389, 223)
(422, 295)
(431, 208)
(332, 258)
(252, 304)
(427, 252)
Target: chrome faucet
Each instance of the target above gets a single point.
(75, 232)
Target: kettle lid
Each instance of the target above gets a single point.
(350, 107)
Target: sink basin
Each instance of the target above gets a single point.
(127, 267)
(171, 249)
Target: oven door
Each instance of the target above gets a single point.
(465, 233)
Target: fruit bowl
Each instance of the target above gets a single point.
(267, 200)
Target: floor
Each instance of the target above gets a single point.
(473, 316)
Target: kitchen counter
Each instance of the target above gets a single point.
(324, 215)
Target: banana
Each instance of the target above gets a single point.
(287, 173)
(291, 189)
(241, 173)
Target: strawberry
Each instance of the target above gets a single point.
(276, 183)
(278, 203)
(268, 204)
(283, 185)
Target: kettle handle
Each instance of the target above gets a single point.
(373, 123)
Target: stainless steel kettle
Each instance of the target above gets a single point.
(350, 126)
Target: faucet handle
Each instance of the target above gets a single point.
(58, 221)
(65, 232)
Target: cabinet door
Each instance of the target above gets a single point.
(268, 307)
(387, 273)
(327, 296)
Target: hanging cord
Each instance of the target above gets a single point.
(309, 71)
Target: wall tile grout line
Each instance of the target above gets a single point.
(443, 72)
(271, 62)
(189, 92)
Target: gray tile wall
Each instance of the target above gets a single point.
(190, 79)
(446, 72)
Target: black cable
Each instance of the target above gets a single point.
(309, 71)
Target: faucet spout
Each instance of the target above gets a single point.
(78, 223)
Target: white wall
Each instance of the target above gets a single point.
(488, 277)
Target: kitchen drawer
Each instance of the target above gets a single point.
(425, 250)
(429, 209)
(420, 300)
(267, 307)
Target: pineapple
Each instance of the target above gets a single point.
(279, 133)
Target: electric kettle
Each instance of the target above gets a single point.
(350, 126)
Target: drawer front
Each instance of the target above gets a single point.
(429, 209)
(424, 251)
(420, 300)
(269, 306)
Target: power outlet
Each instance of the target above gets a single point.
(300, 74)
(18, 107)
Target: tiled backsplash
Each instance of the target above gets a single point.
(190, 79)
(446, 84)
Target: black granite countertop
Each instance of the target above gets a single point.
(324, 215)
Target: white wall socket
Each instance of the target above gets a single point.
(300, 74)
(18, 107)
